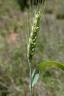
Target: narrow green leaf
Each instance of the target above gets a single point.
(35, 77)
(35, 74)
(48, 63)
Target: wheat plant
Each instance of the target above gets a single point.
(35, 26)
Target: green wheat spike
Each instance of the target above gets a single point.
(33, 36)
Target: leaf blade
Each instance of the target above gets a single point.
(35, 74)
(48, 63)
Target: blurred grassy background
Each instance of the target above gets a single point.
(14, 72)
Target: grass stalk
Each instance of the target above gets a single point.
(30, 79)
(29, 62)
(32, 40)
(31, 45)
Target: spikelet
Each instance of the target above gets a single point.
(33, 36)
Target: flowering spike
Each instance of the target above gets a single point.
(33, 36)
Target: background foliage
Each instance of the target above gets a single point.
(14, 73)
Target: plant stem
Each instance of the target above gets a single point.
(30, 78)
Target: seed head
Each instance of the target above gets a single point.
(33, 36)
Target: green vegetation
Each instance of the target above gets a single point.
(14, 73)
(60, 16)
(60, 13)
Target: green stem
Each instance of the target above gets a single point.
(30, 78)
